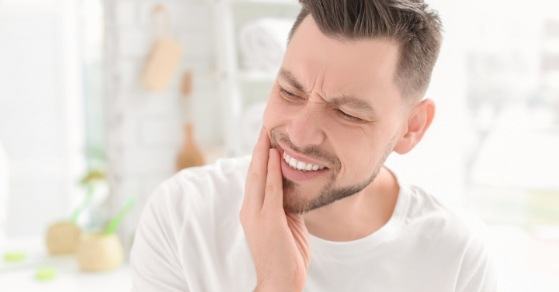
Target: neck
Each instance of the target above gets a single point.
(358, 215)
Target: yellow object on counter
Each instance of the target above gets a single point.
(99, 252)
(63, 238)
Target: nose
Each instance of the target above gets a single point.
(305, 129)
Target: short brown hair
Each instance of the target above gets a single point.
(411, 23)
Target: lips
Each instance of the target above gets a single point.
(296, 175)
(297, 168)
(300, 165)
(300, 157)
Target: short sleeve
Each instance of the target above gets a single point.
(477, 271)
(154, 258)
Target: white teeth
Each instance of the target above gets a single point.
(292, 162)
(299, 165)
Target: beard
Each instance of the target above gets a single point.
(294, 201)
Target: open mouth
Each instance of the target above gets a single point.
(297, 170)
(301, 165)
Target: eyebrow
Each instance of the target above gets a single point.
(291, 79)
(353, 102)
(348, 100)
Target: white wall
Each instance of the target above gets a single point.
(144, 130)
(40, 111)
(437, 163)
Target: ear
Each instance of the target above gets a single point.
(419, 120)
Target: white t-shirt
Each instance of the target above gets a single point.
(190, 239)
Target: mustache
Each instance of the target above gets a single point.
(311, 151)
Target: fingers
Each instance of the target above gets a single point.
(299, 230)
(256, 175)
(274, 188)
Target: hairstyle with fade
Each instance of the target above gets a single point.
(415, 27)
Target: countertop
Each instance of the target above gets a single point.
(20, 276)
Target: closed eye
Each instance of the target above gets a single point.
(291, 97)
(288, 95)
(348, 116)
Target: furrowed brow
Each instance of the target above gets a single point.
(344, 100)
(290, 78)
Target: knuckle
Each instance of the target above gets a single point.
(246, 216)
(242, 211)
(243, 217)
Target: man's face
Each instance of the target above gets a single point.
(334, 106)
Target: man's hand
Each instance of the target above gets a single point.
(277, 241)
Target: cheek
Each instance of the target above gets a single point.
(276, 112)
(270, 114)
(358, 153)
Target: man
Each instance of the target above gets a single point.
(314, 209)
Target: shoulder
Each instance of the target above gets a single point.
(444, 230)
(197, 187)
(453, 234)
(437, 220)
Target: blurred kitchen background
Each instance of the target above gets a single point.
(101, 100)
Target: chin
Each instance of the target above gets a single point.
(297, 198)
(294, 206)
